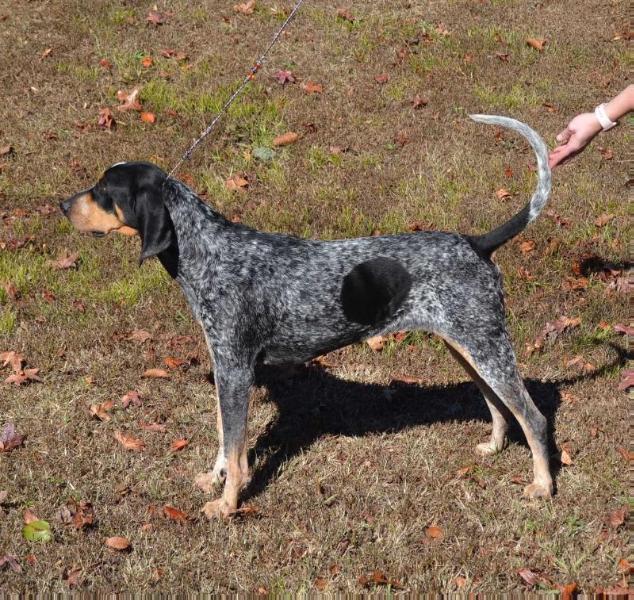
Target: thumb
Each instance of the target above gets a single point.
(564, 135)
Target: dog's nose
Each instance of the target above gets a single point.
(65, 206)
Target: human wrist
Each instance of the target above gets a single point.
(605, 120)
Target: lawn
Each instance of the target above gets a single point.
(364, 471)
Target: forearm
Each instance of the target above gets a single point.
(620, 105)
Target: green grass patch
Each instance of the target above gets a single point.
(136, 285)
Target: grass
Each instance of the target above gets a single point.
(351, 466)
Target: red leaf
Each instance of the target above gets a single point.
(156, 374)
(148, 117)
(178, 445)
(156, 18)
(10, 438)
(175, 514)
(131, 398)
(10, 561)
(245, 8)
(311, 87)
(65, 261)
(283, 77)
(118, 543)
(129, 100)
(106, 119)
(129, 442)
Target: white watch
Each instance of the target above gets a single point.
(605, 121)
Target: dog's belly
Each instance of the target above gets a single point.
(276, 354)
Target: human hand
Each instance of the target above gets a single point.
(574, 138)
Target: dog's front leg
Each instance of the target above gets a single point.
(234, 377)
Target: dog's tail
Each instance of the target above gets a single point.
(488, 242)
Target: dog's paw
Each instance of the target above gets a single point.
(217, 509)
(489, 448)
(538, 490)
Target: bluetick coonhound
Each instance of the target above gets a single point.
(276, 298)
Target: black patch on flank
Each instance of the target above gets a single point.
(374, 290)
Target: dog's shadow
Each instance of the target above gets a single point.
(312, 403)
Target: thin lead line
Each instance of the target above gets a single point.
(252, 72)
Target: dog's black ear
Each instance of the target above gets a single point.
(154, 224)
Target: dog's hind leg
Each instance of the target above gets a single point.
(234, 378)
(493, 362)
(499, 412)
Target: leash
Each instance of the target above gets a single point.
(249, 77)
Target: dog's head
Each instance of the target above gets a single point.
(128, 199)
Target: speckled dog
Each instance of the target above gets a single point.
(277, 299)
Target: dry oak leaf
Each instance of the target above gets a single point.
(101, 410)
(178, 445)
(616, 518)
(171, 362)
(71, 576)
(565, 457)
(284, 77)
(83, 514)
(433, 532)
(22, 377)
(10, 438)
(503, 193)
(156, 374)
(12, 358)
(603, 219)
(129, 100)
(148, 117)
(131, 398)
(65, 261)
(106, 119)
(147, 61)
(129, 442)
(606, 153)
(104, 63)
(624, 329)
(4, 150)
(527, 246)
(285, 139)
(156, 427)
(376, 342)
(236, 182)
(245, 8)
(345, 14)
(29, 516)
(175, 514)
(311, 87)
(139, 335)
(382, 78)
(536, 43)
(418, 101)
(627, 380)
(156, 18)
(118, 543)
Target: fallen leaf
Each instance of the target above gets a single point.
(616, 518)
(156, 374)
(101, 410)
(603, 219)
(175, 514)
(503, 56)
(401, 138)
(551, 108)
(148, 117)
(536, 43)
(285, 139)
(345, 14)
(627, 380)
(66, 260)
(606, 153)
(106, 119)
(567, 591)
(236, 183)
(624, 329)
(129, 442)
(131, 398)
(419, 102)
(29, 516)
(139, 335)
(283, 77)
(4, 150)
(624, 566)
(321, 583)
(10, 438)
(71, 576)
(565, 458)
(382, 78)
(156, 18)
(147, 62)
(83, 514)
(508, 173)
(104, 63)
(529, 577)
(11, 561)
(569, 397)
(503, 194)
(37, 531)
(376, 342)
(129, 100)
(12, 358)
(527, 246)
(245, 8)
(441, 29)
(311, 87)
(433, 532)
(178, 445)
(118, 543)
(156, 427)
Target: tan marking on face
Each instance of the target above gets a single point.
(87, 216)
(124, 229)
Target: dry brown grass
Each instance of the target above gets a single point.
(350, 468)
